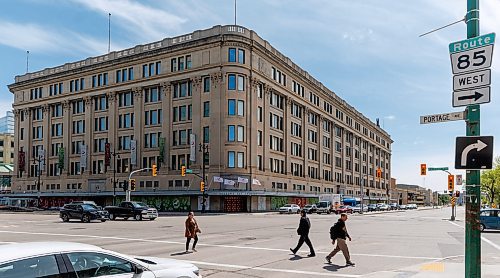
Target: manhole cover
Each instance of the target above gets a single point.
(166, 226)
(78, 228)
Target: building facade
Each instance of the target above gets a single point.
(274, 134)
(405, 194)
(7, 123)
(7, 148)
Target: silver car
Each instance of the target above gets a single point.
(68, 259)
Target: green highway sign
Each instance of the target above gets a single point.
(189, 171)
(460, 46)
(438, 169)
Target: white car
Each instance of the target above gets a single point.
(68, 259)
(357, 208)
(290, 208)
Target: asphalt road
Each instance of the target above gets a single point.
(396, 244)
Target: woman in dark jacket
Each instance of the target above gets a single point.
(191, 231)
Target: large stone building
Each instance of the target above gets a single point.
(275, 134)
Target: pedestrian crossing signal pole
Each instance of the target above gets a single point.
(473, 179)
(451, 188)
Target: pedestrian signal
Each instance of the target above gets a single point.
(202, 186)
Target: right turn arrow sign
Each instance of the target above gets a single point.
(474, 152)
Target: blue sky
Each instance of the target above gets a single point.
(367, 51)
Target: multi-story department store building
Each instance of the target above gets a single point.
(275, 134)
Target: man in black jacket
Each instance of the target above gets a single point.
(339, 233)
(303, 232)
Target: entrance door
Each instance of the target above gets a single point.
(235, 204)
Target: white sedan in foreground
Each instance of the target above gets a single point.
(77, 260)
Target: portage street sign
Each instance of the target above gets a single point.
(440, 118)
(472, 54)
(474, 152)
(472, 80)
(472, 96)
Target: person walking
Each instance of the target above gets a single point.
(303, 232)
(338, 232)
(191, 231)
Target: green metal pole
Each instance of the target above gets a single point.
(473, 192)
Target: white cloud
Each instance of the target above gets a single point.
(38, 38)
(390, 117)
(148, 23)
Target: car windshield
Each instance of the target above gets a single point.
(89, 207)
(139, 204)
(308, 206)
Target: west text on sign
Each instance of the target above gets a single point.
(472, 80)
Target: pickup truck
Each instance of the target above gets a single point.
(136, 210)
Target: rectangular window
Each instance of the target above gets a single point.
(241, 133)
(173, 65)
(259, 114)
(230, 159)
(231, 84)
(241, 108)
(158, 68)
(259, 138)
(241, 158)
(241, 56)
(231, 136)
(241, 83)
(206, 84)
(232, 55)
(188, 62)
(206, 109)
(231, 107)
(206, 134)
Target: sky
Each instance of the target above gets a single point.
(367, 51)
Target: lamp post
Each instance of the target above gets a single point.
(114, 154)
(39, 173)
(204, 151)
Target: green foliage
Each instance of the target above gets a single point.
(490, 183)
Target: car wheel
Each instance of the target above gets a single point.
(289, 211)
(138, 217)
(112, 216)
(65, 218)
(103, 220)
(328, 212)
(125, 218)
(482, 227)
(151, 219)
(86, 218)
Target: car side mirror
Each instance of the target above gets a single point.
(138, 269)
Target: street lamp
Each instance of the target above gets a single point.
(205, 153)
(39, 173)
(114, 154)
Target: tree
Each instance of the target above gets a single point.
(444, 199)
(490, 182)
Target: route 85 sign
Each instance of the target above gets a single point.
(472, 54)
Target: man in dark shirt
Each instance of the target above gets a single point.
(339, 233)
(303, 232)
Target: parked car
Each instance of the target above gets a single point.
(372, 207)
(289, 208)
(357, 208)
(68, 259)
(394, 206)
(310, 208)
(383, 207)
(343, 209)
(490, 219)
(411, 206)
(403, 207)
(83, 212)
(136, 210)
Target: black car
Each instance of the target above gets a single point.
(373, 207)
(83, 212)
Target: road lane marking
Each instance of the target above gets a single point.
(210, 245)
(243, 267)
(482, 238)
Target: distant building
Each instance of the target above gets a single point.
(405, 194)
(6, 171)
(275, 134)
(7, 123)
(7, 148)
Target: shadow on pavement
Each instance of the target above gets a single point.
(491, 232)
(333, 267)
(180, 253)
(296, 258)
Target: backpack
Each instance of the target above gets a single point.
(333, 231)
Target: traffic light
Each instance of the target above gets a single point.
(457, 194)
(125, 185)
(379, 173)
(202, 186)
(451, 183)
(155, 170)
(423, 169)
(183, 171)
(132, 184)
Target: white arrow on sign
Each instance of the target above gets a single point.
(479, 146)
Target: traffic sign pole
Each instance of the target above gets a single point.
(472, 232)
